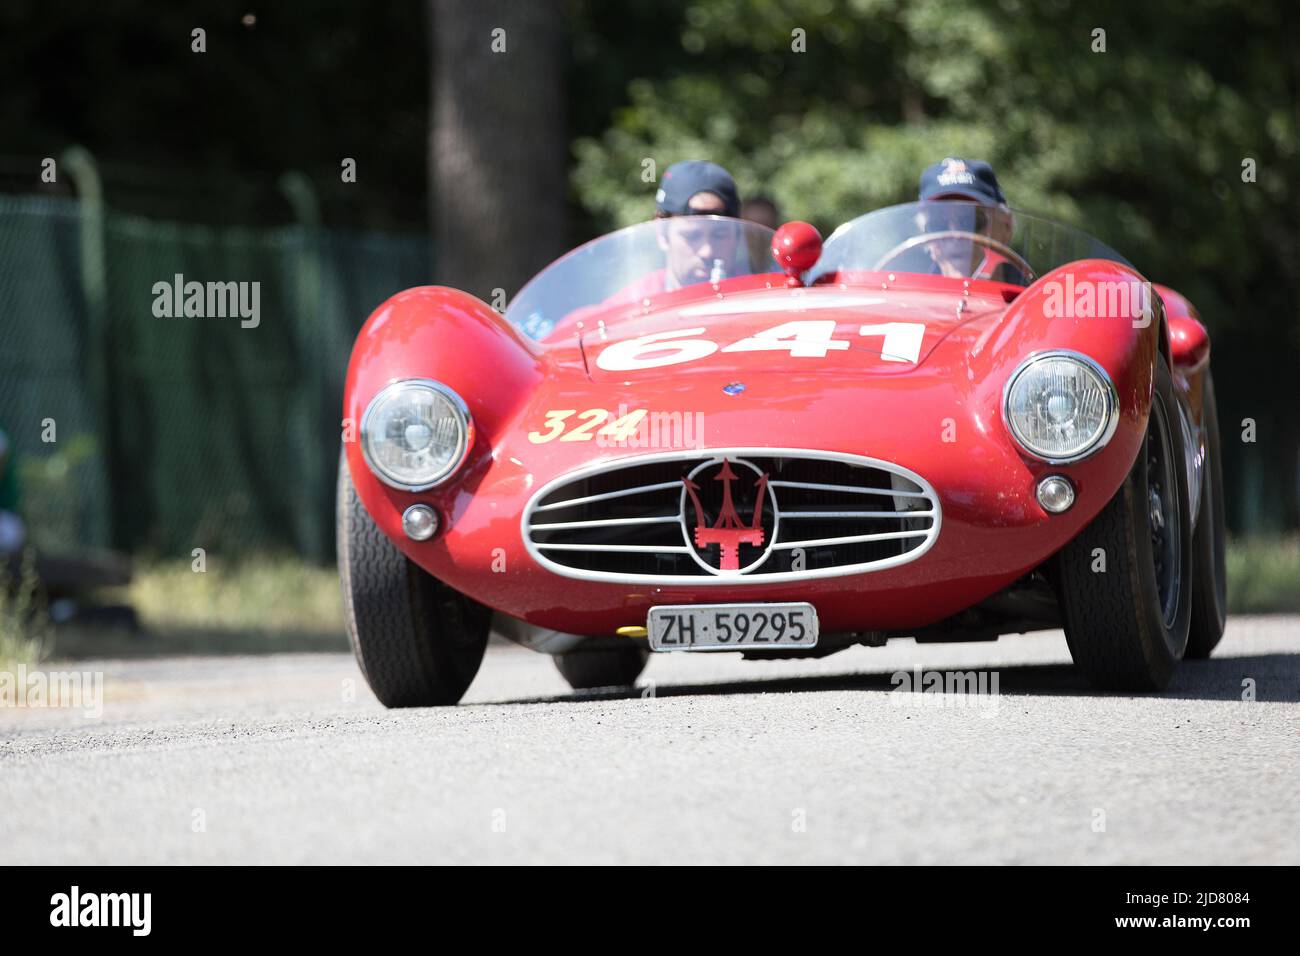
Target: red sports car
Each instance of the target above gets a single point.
(949, 421)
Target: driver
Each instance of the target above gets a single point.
(697, 250)
(966, 181)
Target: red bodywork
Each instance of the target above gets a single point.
(940, 416)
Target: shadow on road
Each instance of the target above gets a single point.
(1275, 677)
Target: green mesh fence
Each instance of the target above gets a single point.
(185, 431)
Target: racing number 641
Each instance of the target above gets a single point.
(801, 339)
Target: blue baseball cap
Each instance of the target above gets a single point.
(683, 180)
(969, 178)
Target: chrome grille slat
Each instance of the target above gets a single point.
(849, 488)
(613, 524)
(850, 539)
(648, 549)
(607, 495)
(602, 522)
(847, 514)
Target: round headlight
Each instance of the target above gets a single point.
(415, 433)
(1061, 406)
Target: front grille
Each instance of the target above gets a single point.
(822, 514)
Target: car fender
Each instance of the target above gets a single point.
(451, 337)
(1044, 318)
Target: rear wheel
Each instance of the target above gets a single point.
(419, 642)
(1210, 575)
(1125, 581)
(607, 667)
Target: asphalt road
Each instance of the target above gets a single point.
(288, 758)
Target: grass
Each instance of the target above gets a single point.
(277, 594)
(254, 606)
(1264, 575)
(24, 633)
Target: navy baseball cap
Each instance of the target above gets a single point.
(969, 178)
(683, 180)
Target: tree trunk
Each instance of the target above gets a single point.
(497, 152)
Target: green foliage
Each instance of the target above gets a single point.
(53, 504)
(1141, 140)
(262, 594)
(24, 631)
(1264, 576)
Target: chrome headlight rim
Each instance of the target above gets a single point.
(459, 408)
(1112, 406)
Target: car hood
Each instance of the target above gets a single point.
(721, 321)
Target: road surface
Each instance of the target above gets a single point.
(288, 759)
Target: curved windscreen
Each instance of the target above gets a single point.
(959, 239)
(639, 262)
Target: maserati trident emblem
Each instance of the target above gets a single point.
(728, 532)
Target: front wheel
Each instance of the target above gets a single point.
(1125, 582)
(418, 642)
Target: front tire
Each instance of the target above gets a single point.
(1127, 626)
(418, 642)
(1210, 575)
(607, 667)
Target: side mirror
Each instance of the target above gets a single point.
(796, 247)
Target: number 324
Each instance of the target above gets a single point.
(621, 429)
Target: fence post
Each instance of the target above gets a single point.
(313, 519)
(81, 169)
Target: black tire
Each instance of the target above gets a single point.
(607, 667)
(1127, 627)
(418, 642)
(1210, 574)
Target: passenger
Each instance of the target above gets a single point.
(966, 181)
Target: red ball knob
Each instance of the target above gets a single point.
(796, 247)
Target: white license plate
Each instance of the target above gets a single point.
(731, 627)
